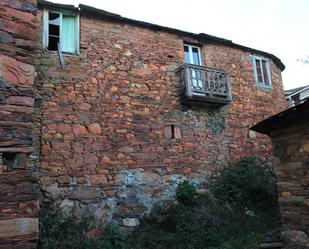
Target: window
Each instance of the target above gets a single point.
(262, 71)
(61, 29)
(192, 55)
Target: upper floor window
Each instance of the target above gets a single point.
(262, 71)
(192, 54)
(61, 29)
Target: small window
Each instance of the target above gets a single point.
(192, 55)
(262, 71)
(61, 30)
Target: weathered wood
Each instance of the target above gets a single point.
(204, 84)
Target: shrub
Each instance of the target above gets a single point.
(58, 232)
(186, 193)
(214, 221)
(249, 184)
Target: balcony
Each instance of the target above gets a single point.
(204, 86)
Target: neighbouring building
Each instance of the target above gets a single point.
(297, 95)
(289, 132)
(19, 195)
(112, 113)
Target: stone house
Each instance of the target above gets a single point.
(112, 113)
(289, 132)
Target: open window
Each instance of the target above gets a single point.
(61, 30)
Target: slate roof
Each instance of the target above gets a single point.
(293, 116)
(295, 90)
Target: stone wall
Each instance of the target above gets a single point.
(18, 192)
(108, 116)
(291, 152)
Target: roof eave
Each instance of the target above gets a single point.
(115, 17)
(283, 119)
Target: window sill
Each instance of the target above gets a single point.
(65, 54)
(264, 87)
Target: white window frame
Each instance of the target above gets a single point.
(46, 28)
(191, 53)
(262, 84)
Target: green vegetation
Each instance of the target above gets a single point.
(187, 194)
(234, 214)
(216, 120)
(237, 212)
(249, 184)
(58, 232)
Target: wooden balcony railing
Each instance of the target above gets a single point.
(204, 85)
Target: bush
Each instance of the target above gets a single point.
(249, 184)
(58, 232)
(186, 193)
(235, 214)
(194, 221)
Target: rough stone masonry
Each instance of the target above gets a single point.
(108, 115)
(19, 194)
(106, 132)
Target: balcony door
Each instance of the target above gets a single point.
(192, 55)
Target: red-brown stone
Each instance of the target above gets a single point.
(79, 129)
(95, 128)
(84, 107)
(63, 128)
(20, 100)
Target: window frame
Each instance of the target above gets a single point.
(190, 46)
(46, 29)
(267, 64)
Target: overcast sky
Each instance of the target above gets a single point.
(280, 27)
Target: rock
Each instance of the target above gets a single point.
(84, 107)
(187, 171)
(16, 72)
(147, 177)
(105, 159)
(120, 179)
(114, 89)
(65, 179)
(130, 222)
(304, 147)
(116, 45)
(127, 53)
(140, 72)
(20, 100)
(126, 149)
(98, 180)
(94, 80)
(63, 128)
(251, 134)
(286, 194)
(5, 37)
(52, 191)
(66, 207)
(79, 129)
(18, 227)
(295, 237)
(83, 193)
(95, 128)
